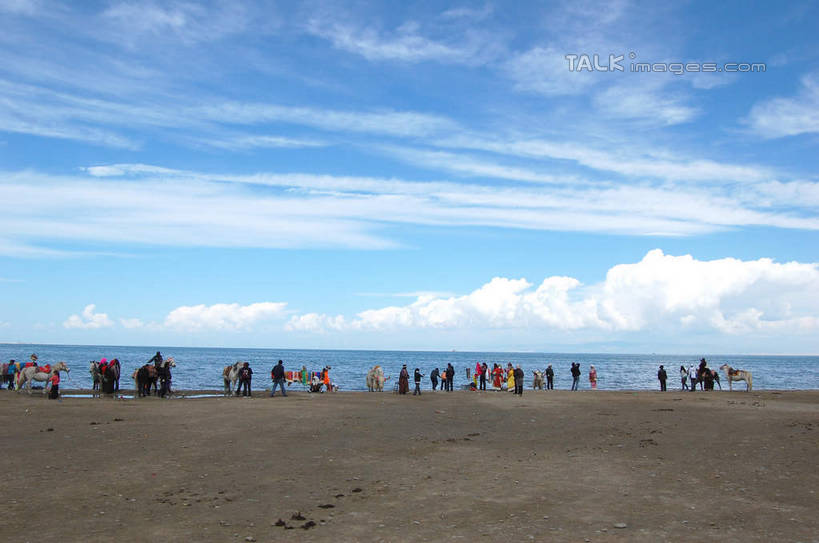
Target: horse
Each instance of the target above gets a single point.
(230, 374)
(144, 377)
(375, 379)
(737, 375)
(36, 373)
(148, 375)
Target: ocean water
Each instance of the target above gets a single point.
(201, 368)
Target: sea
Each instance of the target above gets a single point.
(201, 368)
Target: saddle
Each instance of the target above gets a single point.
(732, 371)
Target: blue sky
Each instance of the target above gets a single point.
(413, 176)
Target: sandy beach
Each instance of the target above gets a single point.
(557, 466)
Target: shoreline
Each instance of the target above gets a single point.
(265, 392)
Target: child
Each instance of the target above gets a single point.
(54, 386)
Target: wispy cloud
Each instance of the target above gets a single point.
(453, 43)
(146, 205)
(781, 117)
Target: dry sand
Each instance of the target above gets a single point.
(550, 466)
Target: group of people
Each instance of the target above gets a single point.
(509, 378)
(315, 382)
(11, 370)
(691, 376)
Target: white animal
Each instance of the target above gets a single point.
(738, 375)
(36, 373)
(230, 375)
(376, 379)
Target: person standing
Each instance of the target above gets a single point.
(326, 378)
(692, 377)
(550, 378)
(662, 376)
(450, 377)
(510, 378)
(575, 375)
(484, 369)
(403, 380)
(278, 378)
(593, 377)
(684, 378)
(433, 377)
(417, 378)
(9, 376)
(245, 376)
(519, 380)
(54, 383)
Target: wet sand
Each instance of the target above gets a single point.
(557, 466)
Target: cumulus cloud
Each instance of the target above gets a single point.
(659, 292)
(222, 316)
(88, 320)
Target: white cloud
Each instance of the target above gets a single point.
(644, 162)
(457, 44)
(780, 117)
(545, 70)
(89, 320)
(131, 205)
(223, 316)
(188, 22)
(651, 102)
(661, 292)
(259, 142)
(131, 323)
(21, 7)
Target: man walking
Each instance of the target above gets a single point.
(417, 377)
(433, 377)
(278, 378)
(662, 376)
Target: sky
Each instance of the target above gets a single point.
(415, 175)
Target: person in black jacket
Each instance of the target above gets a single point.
(450, 377)
(575, 375)
(245, 375)
(550, 378)
(433, 376)
(662, 376)
(484, 367)
(417, 377)
(278, 378)
(519, 375)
